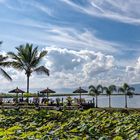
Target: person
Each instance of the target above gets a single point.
(36, 101)
(57, 102)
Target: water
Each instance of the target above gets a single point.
(116, 101)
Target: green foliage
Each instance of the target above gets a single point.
(4, 63)
(90, 124)
(27, 59)
(118, 138)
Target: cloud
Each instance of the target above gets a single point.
(67, 37)
(77, 67)
(133, 72)
(24, 6)
(30, 25)
(135, 69)
(98, 65)
(122, 11)
(75, 39)
(72, 60)
(68, 69)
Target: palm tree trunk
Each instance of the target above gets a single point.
(125, 101)
(96, 101)
(109, 101)
(28, 88)
(27, 84)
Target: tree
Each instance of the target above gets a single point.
(28, 59)
(127, 91)
(95, 91)
(109, 90)
(4, 63)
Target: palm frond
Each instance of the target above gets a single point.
(131, 89)
(5, 74)
(112, 88)
(125, 86)
(5, 64)
(17, 61)
(91, 86)
(99, 88)
(3, 61)
(34, 56)
(130, 93)
(42, 70)
(17, 65)
(121, 90)
(91, 91)
(3, 58)
(42, 54)
(105, 88)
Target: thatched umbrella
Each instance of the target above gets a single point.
(17, 91)
(47, 90)
(80, 90)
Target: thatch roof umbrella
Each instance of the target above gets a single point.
(80, 90)
(17, 91)
(47, 90)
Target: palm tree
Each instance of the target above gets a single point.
(109, 90)
(127, 90)
(95, 91)
(4, 63)
(27, 59)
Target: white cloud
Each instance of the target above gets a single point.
(24, 6)
(70, 60)
(135, 69)
(98, 65)
(77, 67)
(72, 38)
(68, 69)
(133, 72)
(67, 37)
(120, 10)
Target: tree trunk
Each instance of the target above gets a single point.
(109, 101)
(125, 101)
(28, 84)
(96, 101)
(28, 87)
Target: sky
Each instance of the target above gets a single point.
(88, 41)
